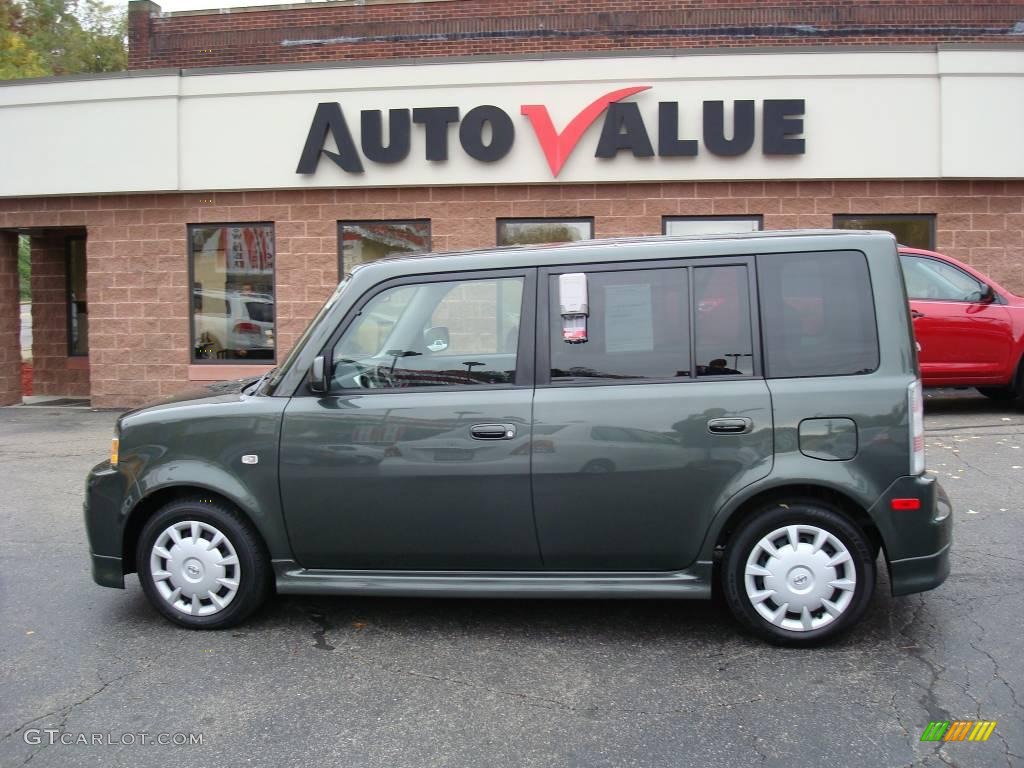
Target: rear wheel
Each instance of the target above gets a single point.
(202, 565)
(799, 573)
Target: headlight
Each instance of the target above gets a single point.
(114, 445)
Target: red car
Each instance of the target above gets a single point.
(970, 329)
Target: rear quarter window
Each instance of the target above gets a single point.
(817, 314)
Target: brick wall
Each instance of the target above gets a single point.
(54, 372)
(10, 321)
(387, 30)
(138, 276)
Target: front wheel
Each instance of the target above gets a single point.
(799, 573)
(202, 565)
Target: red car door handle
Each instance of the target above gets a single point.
(915, 314)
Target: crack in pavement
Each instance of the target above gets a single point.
(929, 700)
(65, 712)
(528, 699)
(996, 673)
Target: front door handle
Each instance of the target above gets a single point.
(493, 431)
(734, 426)
(915, 314)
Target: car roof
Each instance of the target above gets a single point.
(622, 249)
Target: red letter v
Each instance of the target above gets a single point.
(558, 146)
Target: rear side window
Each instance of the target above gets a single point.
(638, 328)
(721, 333)
(817, 314)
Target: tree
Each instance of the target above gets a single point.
(17, 58)
(60, 37)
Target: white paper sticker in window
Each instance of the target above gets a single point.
(628, 318)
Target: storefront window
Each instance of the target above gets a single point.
(78, 313)
(360, 242)
(232, 268)
(710, 225)
(915, 231)
(538, 231)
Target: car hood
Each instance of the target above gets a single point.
(218, 392)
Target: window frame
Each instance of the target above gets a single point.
(342, 223)
(543, 350)
(192, 359)
(588, 220)
(666, 220)
(67, 292)
(525, 352)
(930, 218)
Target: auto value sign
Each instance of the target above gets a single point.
(487, 133)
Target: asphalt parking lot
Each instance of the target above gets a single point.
(393, 682)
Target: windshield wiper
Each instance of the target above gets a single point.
(254, 386)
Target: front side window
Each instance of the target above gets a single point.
(817, 314)
(929, 279)
(452, 333)
(360, 242)
(637, 328)
(232, 267)
(916, 231)
(710, 225)
(539, 231)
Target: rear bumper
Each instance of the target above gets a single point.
(919, 574)
(917, 543)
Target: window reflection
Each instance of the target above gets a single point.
(78, 311)
(711, 225)
(232, 292)
(540, 231)
(361, 242)
(915, 231)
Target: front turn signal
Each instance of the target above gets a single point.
(114, 445)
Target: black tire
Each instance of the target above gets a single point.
(254, 573)
(1002, 394)
(787, 513)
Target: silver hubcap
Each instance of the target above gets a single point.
(800, 578)
(195, 568)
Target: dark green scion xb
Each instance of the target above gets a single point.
(623, 418)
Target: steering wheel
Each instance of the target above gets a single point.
(381, 377)
(369, 376)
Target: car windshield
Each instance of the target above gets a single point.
(278, 373)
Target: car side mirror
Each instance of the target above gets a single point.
(987, 295)
(317, 378)
(436, 339)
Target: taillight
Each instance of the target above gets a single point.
(246, 328)
(915, 403)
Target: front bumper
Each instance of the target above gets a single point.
(104, 524)
(918, 542)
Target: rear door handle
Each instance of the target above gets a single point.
(915, 314)
(734, 426)
(493, 431)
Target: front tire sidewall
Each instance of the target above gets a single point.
(253, 563)
(795, 513)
